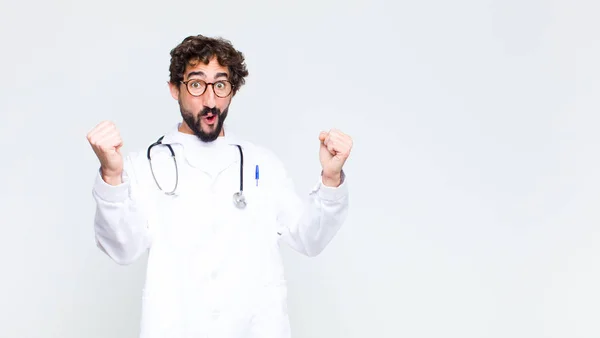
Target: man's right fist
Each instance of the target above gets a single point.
(106, 143)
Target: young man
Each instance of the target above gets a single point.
(211, 209)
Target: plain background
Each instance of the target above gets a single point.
(475, 174)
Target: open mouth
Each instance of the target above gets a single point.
(210, 118)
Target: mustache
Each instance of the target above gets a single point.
(207, 110)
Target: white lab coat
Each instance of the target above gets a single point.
(213, 270)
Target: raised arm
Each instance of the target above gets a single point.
(308, 225)
(120, 223)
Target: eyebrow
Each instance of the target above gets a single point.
(201, 74)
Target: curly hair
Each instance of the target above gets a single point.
(200, 48)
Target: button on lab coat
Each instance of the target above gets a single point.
(213, 270)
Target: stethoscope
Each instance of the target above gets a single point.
(239, 200)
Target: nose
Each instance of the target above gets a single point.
(209, 97)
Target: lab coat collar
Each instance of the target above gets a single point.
(221, 151)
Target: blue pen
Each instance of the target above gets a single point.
(256, 175)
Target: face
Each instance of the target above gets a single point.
(203, 115)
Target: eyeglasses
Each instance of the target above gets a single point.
(197, 87)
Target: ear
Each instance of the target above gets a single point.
(174, 88)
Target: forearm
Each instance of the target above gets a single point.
(120, 224)
(314, 224)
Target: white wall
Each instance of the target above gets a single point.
(474, 177)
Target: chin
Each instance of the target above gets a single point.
(209, 129)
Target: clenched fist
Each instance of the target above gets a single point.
(106, 143)
(335, 149)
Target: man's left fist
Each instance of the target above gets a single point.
(335, 149)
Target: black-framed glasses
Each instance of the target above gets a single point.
(197, 87)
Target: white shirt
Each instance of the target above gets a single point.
(213, 270)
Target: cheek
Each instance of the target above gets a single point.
(223, 104)
(191, 104)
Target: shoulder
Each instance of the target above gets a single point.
(266, 158)
(136, 163)
(260, 151)
(138, 158)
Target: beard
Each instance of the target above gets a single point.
(195, 122)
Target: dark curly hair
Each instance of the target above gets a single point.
(200, 48)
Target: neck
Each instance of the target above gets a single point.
(183, 128)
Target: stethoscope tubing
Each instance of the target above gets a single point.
(238, 197)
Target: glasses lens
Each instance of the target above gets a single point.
(222, 88)
(196, 87)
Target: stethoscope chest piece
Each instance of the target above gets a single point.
(239, 200)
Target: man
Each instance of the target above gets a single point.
(214, 266)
